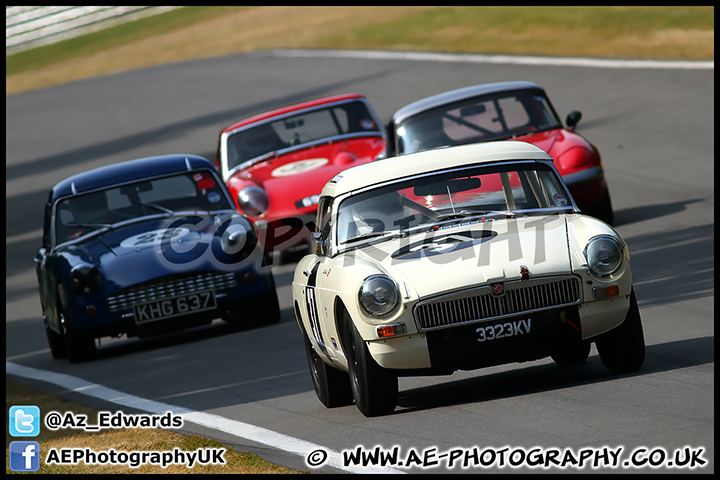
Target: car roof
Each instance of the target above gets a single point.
(128, 171)
(393, 168)
(291, 108)
(459, 94)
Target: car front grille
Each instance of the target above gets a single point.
(480, 304)
(171, 287)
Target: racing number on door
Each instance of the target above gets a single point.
(501, 330)
(313, 313)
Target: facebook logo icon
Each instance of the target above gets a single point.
(24, 421)
(24, 456)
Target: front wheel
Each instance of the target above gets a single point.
(374, 388)
(266, 308)
(77, 345)
(332, 386)
(56, 343)
(622, 349)
(603, 210)
(573, 354)
(262, 309)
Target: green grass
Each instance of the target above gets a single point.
(562, 31)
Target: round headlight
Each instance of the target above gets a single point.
(233, 238)
(84, 279)
(604, 255)
(379, 295)
(253, 200)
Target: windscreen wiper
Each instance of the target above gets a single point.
(365, 236)
(157, 207)
(465, 213)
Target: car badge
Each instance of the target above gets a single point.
(524, 274)
(498, 289)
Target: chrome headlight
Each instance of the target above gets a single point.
(379, 296)
(233, 238)
(84, 279)
(253, 200)
(604, 255)
(237, 240)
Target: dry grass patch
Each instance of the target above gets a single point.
(121, 440)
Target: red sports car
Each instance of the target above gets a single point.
(276, 163)
(516, 110)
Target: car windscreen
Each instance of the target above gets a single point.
(190, 191)
(429, 200)
(305, 127)
(477, 119)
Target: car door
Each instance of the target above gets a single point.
(318, 298)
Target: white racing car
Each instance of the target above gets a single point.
(456, 259)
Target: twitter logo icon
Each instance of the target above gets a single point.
(24, 421)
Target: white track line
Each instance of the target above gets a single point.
(238, 429)
(497, 59)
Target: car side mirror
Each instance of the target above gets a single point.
(573, 118)
(319, 243)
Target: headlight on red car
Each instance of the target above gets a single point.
(577, 157)
(253, 200)
(85, 279)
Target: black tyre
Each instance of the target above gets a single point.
(262, 309)
(374, 388)
(572, 354)
(603, 210)
(56, 343)
(332, 386)
(266, 309)
(622, 349)
(78, 346)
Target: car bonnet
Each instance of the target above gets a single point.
(465, 256)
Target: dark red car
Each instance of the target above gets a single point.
(276, 163)
(516, 110)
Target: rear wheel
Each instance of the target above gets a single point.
(374, 388)
(622, 349)
(332, 386)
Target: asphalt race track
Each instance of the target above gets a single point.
(654, 129)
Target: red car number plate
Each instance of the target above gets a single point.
(174, 307)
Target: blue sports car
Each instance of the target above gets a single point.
(147, 247)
